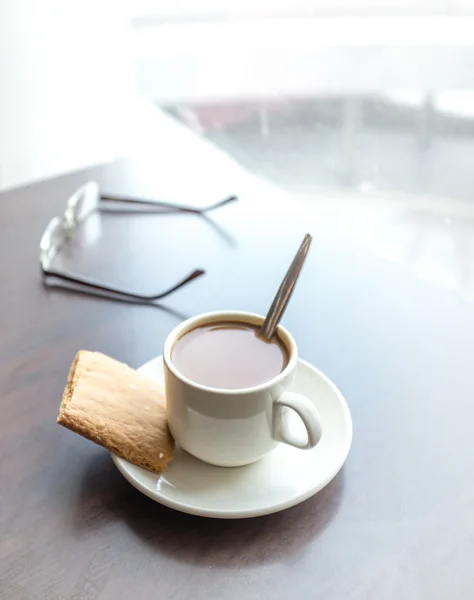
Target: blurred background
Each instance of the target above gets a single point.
(389, 77)
(362, 108)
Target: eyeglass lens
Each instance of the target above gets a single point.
(51, 241)
(81, 204)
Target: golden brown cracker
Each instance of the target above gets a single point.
(116, 407)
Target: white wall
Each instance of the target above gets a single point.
(264, 58)
(66, 76)
(202, 9)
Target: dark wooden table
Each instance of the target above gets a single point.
(396, 523)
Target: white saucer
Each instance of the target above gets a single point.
(281, 479)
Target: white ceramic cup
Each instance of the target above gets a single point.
(231, 428)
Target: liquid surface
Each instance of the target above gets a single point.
(228, 356)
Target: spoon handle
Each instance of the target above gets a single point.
(285, 290)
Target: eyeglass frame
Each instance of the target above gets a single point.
(80, 205)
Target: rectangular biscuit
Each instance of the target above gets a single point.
(116, 407)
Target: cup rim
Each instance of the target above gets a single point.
(239, 315)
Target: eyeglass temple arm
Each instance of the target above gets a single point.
(94, 285)
(170, 205)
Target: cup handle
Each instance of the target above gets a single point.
(306, 411)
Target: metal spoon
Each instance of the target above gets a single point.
(280, 302)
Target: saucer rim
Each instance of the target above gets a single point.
(123, 466)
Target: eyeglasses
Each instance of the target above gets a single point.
(86, 200)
